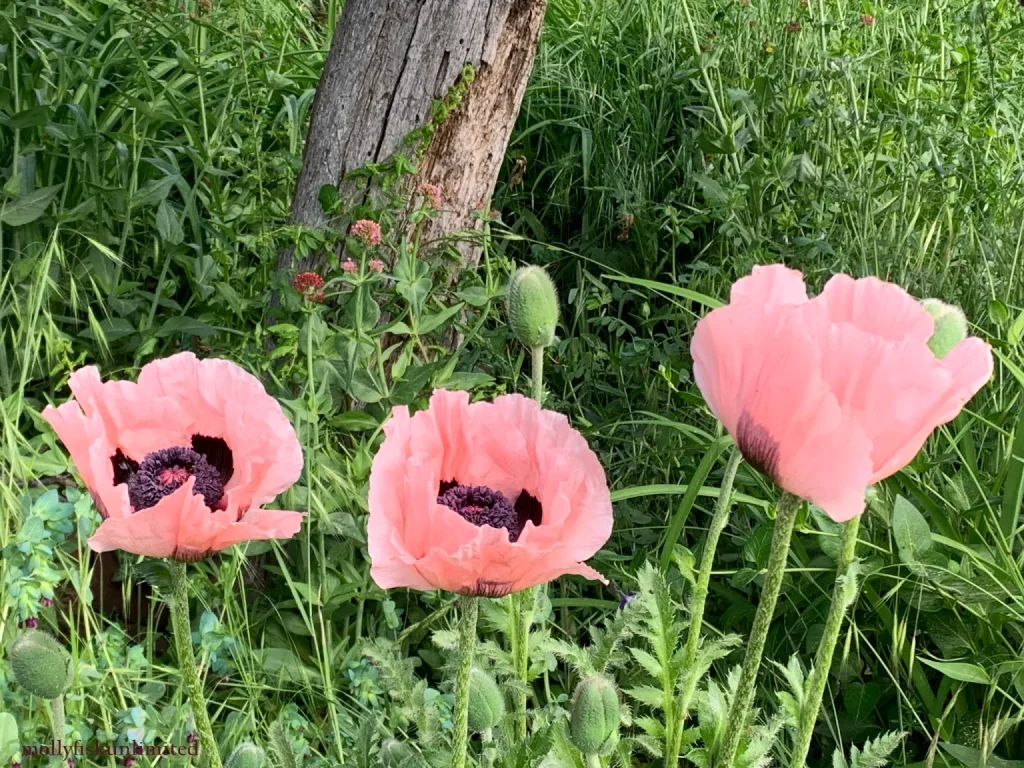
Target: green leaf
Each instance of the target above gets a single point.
(27, 208)
(974, 758)
(429, 323)
(910, 529)
(167, 224)
(959, 670)
(10, 746)
(354, 421)
(34, 117)
(185, 326)
(713, 192)
(860, 700)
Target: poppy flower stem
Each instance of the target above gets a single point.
(467, 646)
(700, 595)
(57, 713)
(537, 373)
(785, 521)
(524, 603)
(182, 628)
(841, 597)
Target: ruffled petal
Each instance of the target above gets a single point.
(955, 379)
(223, 400)
(761, 375)
(773, 285)
(160, 530)
(878, 308)
(258, 525)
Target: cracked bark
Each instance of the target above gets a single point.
(389, 59)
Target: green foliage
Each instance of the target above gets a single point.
(147, 157)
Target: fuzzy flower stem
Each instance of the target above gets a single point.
(700, 589)
(182, 630)
(593, 761)
(785, 521)
(537, 371)
(467, 645)
(525, 602)
(57, 714)
(826, 646)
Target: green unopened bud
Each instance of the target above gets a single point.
(532, 307)
(395, 753)
(41, 665)
(950, 327)
(594, 725)
(247, 755)
(486, 704)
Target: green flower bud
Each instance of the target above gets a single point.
(950, 327)
(41, 665)
(395, 753)
(594, 724)
(486, 704)
(532, 307)
(247, 755)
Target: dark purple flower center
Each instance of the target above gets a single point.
(481, 505)
(162, 472)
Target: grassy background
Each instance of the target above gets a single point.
(148, 153)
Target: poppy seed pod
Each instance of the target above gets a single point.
(486, 704)
(41, 665)
(594, 723)
(532, 307)
(950, 327)
(246, 755)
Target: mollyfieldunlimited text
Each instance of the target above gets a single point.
(96, 749)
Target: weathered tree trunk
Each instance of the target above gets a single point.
(388, 61)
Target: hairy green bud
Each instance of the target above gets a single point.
(594, 723)
(246, 755)
(486, 704)
(532, 307)
(950, 327)
(41, 665)
(395, 753)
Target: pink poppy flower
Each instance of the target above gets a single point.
(484, 499)
(180, 462)
(829, 395)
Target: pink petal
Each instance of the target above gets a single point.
(223, 400)
(876, 307)
(958, 377)
(258, 525)
(772, 285)
(135, 421)
(761, 374)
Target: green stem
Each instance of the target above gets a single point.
(523, 604)
(593, 760)
(700, 591)
(182, 629)
(467, 645)
(740, 711)
(57, 713)
(537, 371)
(826, 647)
